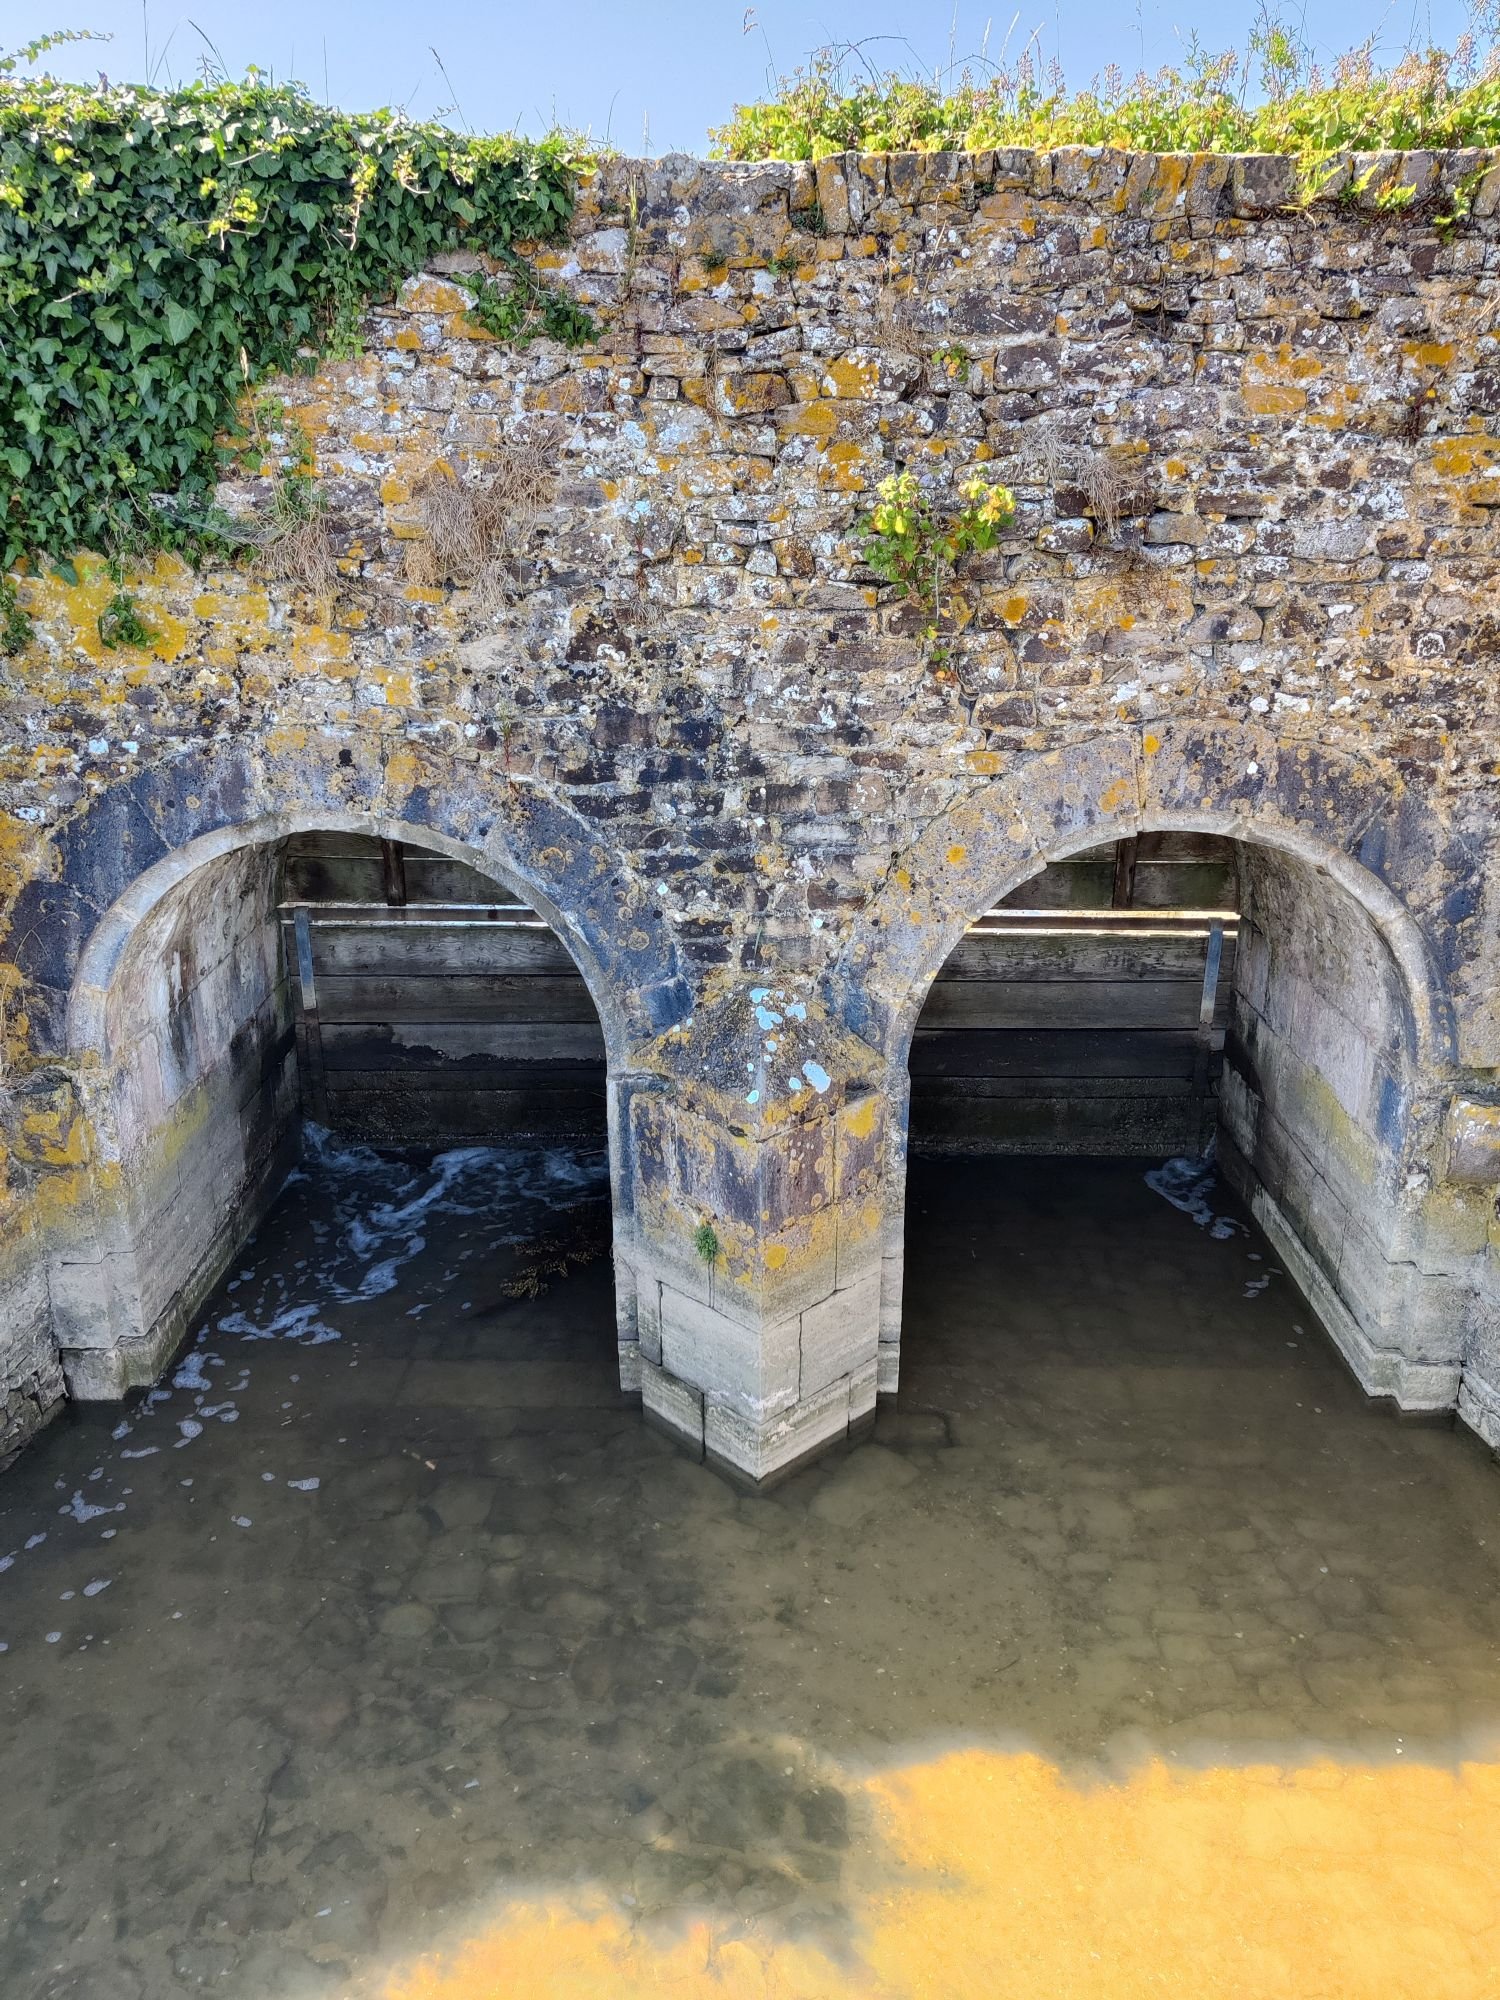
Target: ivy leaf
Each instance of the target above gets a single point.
(180, 322)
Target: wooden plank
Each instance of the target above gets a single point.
(1145, 1127)
(433, 950)
(954, 1090)
(456, 996)
(1055, 1003)
(387, 1117)
(311, 1034)
(1171, 846)
(1184, 886)
(360, 878)
(1161, 846)
(1208, 1006)
(463, 1045)
(393, 869)
(1080, 955)
(1058, 1052)
(1066, 885)
(1156, 885)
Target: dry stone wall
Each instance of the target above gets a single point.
(1249, 590)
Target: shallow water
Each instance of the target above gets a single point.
(389, 1653)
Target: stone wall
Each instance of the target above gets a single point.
(682, 720)
(192, 1103)
(1326, 1126)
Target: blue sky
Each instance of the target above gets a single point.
(653, 75)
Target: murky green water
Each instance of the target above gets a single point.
(392, 1602)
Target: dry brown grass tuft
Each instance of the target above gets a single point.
(476, 526)
(299, 552)
(1111, 483)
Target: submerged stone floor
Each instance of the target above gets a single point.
(385, 1652)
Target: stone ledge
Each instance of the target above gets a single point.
(849, 188)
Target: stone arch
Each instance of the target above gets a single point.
(119, 1305)
(87, 1028)
(1314, 805)
(1403, 1330)
(105, 857)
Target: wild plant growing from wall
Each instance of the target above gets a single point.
(908, 542)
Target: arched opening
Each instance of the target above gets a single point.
(362, 984)
(1228, 1006)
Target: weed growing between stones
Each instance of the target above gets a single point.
(706, 1243)
(909, 544)
(525, 307)
(121, 624)
(291, 532)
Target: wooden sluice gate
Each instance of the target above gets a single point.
(430, 1006)
(1088, 1012)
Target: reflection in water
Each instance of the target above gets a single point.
(383, 1651)
(995, 1875)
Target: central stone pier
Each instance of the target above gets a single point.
(750, 1269)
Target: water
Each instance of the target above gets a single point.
(384, 1651)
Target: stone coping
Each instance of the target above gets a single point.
(846, 185)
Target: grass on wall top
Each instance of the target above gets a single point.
(1270, 98)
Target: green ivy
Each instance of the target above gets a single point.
(121, 623)
(161, 251)
(15, 626)
(525, 307)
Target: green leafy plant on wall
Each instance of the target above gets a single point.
(163, 250)
(1271, 96)
(524, 307)
(15, 626)
(909, 543)
(706, 1243)
(120, 622)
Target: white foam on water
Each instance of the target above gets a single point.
(243, 1521)
(7, 1561)
(1187, 1184)
(190, 1375)
(35, 1541)
(82, 1511)
(121, 1430)
(304, 1485)
(190, 1428)
(100, 1583)
(299, 1323)
(146, 1451)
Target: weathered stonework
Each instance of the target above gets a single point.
(711, 752)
